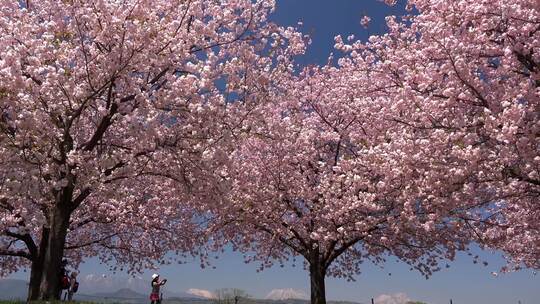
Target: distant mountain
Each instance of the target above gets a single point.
(95, 283)
(124, 293)
(92, 283)
(175, 300)
(181, 295)
(11, 289)
(249, 301)
(129, 296)
(285, 294)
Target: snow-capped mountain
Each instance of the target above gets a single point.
(286, 293)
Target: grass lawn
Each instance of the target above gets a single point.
(42, 302)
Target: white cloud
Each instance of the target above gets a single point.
(201, 293)
(286, 293)
(398, 298)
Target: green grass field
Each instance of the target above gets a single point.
(41, 302)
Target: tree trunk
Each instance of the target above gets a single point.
(317, 274)
(36, 270)
(50, 288)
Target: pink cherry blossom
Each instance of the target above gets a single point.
(109, 114)
(418, 143)
(318, 174)
(462, 79)
(364, 21)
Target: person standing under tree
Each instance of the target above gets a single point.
(156, 286)
(64, 278)
(73, 285)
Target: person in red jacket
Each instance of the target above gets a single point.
(156, 286)
(73, 285)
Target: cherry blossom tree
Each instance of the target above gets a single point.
(463, 78)
(109, 111)
(419, 142)
(317, 175)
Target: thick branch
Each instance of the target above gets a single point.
(102, 128)
(28, 241)
(81, 197)
(18, 253)
(332, 255)
(91, 242)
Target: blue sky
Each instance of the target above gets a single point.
(325, 19)
(464, 281)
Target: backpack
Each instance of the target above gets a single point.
(64, 282)
(75, 287)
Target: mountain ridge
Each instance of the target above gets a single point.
(13, 289)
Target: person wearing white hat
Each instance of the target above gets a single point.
(156, 286)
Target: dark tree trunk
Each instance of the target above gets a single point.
(317, 274)
(36, 271)
(52, 259)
